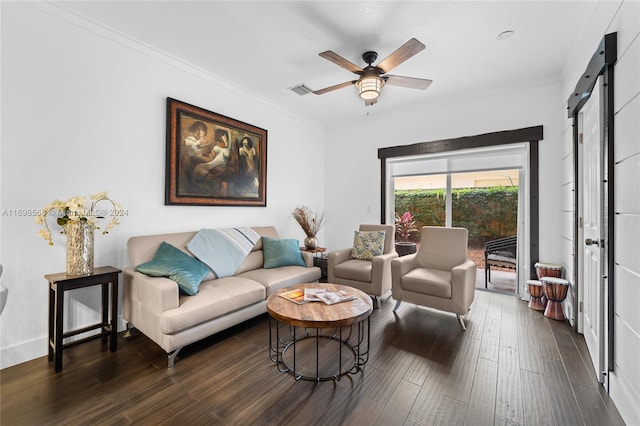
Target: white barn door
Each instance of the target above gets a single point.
(592, 290)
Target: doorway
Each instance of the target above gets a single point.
(484, 202)
(591, 106)
(526, 138)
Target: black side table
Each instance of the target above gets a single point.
(319, 260)
(61, 282)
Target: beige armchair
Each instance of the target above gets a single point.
(371, 276)
(440, 275)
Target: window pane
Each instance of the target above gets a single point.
(424, 197)
(486, 204)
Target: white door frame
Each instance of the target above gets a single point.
(530, 136)
(601, 64)
(522, 156)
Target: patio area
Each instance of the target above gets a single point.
(502, 279)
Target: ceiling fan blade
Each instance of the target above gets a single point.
(332, 88)
(403, 53)
(339, 60)
(410, 82)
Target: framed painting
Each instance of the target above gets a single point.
(213, 160)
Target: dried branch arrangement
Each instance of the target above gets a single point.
(309, 220)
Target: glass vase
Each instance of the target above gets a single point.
(79, 248)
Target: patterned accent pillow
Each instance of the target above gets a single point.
(367, 244)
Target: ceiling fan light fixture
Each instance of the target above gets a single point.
(373, 77)
(369, 87)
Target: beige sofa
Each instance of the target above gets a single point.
(154, 306)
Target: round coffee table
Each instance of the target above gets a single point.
(315, 341)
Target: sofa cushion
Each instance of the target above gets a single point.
(447, 247)
(277, 278)
(354, 269)
(142, 248)
(215, 299)
(431, 282)
(281, 253)
(367, 244)
(175, 264)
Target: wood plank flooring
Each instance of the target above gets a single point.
(512, 366)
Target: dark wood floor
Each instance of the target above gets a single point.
(512, 366)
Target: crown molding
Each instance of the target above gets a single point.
(59, 11)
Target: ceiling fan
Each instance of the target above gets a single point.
(373, 77)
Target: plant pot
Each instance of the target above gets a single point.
(404, 248)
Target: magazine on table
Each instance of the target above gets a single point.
(296, 295)
(311, 294)
(301, 296)
(333, 297)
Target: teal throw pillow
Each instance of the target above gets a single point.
(175, 264)
(281, 253)
(367, 244)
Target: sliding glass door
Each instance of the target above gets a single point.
(485, 202)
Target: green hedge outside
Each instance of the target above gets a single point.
(488, 213)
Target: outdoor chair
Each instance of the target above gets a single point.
(499, 253)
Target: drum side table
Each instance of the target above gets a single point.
(536, 292)
(556, 290)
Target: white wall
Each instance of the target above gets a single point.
(83, 110)
(625, 380)
(352, 147)
(622, 17)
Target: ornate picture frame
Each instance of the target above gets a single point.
(213, 160)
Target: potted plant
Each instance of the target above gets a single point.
(310, 222)
(405, 226)
(78, 219)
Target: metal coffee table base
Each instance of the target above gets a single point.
(290, 340)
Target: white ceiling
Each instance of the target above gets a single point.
(266, 47)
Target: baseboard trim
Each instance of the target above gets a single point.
(626, 400)
(23, 352)
(27, 351)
